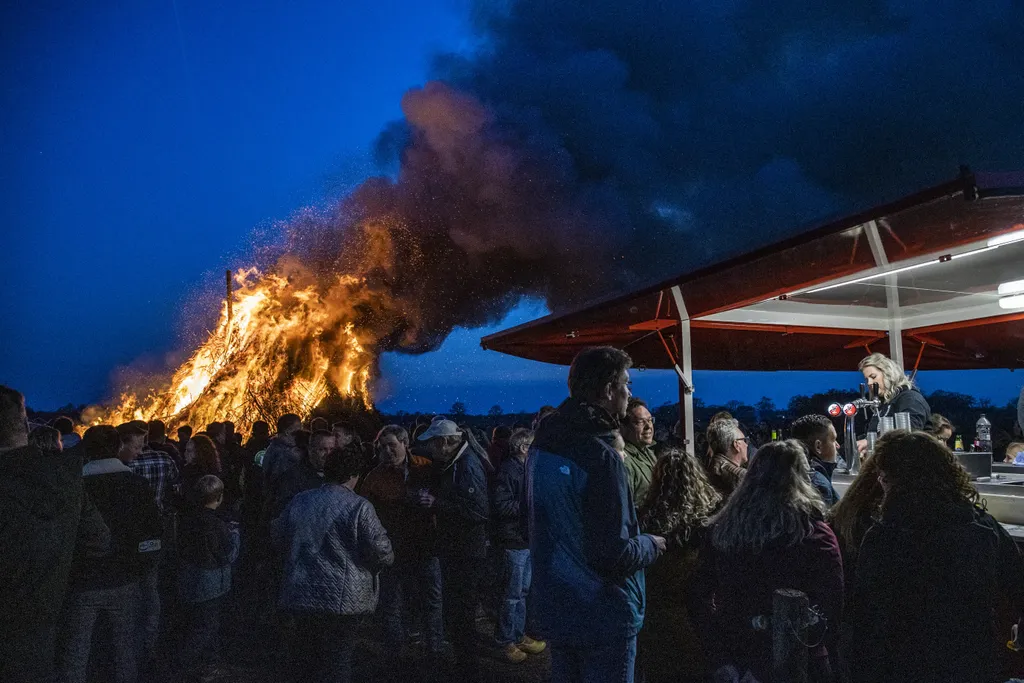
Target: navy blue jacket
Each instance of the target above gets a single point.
(587, 551)
(463, 503)
(821, 479)
(508, 496)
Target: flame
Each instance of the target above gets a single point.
(283, 349)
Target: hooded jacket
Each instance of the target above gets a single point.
(463, 502)
(42, 512)
(508, 499)
(926, 591)
(585, 544)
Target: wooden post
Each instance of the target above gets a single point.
(789, 633)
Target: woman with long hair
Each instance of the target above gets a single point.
(770, 534)
(931, 574)
(678, 506)
(201, 459)
(897, 393)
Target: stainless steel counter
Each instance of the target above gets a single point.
(1003, 494)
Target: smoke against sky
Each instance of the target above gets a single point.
(589, 146)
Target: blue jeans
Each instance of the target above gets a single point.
(80, 612)
(605, 664)
(512, 613)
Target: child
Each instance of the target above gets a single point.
(207, 546)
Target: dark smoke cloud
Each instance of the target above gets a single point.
(591, 145)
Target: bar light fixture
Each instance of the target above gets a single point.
(1010, 302)
(1015, 287)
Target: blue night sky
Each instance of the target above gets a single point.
(148, 146)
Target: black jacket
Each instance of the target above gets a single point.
(44, 515)
(907, 401)
(463, 502)
(926, 589)
(126, 503)
(300, 478)
(508, 496)
(204, 539)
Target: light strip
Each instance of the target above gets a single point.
(1012, 301)
(873, 276)
(1015, 287)
(1009, 237)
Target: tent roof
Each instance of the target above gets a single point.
(931, 262)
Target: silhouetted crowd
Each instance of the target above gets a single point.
(577, 536)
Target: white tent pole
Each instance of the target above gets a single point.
(685, 373)
(892, 294)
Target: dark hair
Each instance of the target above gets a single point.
(393, 430)
(130, 430)
(854, 514)
(157, 430)
(342, 464)
(594, 368)
(261, 428)
(207, 458)
(501, 432)
(922, 473)
(936, 423)
(46, 439)
(810, 428)
(302, 440)
(185, 428)
(208, 489)
(13, 424)
(215, 429)
(319, 424)
(344, 425)
(635, 402)
(288, 423)
(101, 442)
(64, 425)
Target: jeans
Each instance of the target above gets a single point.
(201, 645)
(517, 570)
(604, 664)
(80, 612)
(322, 647)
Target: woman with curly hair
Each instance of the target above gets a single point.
(931, 573)
(678, 506)
(770, 534)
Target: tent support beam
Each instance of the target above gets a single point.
(685, 372)
(892, 293)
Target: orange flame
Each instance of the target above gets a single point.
(282, 351)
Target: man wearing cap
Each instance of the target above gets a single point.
(463, 511)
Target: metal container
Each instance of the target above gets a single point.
(903, 422)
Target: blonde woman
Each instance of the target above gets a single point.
(771, 534)
(897, 392)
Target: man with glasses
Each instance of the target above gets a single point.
(729, 455)
(638, 431)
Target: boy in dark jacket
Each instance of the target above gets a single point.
(514, 552)
(208, 546)
(110, 584)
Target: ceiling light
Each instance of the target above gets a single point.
(1012, 301)
(1015, 287)
(1016, 236)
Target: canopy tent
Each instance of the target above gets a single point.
(917, 279)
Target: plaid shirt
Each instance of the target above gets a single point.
(160, 471)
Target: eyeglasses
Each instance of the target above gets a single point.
(640, 422)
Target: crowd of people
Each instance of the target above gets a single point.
(578, 534)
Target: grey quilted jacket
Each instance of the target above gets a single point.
(333, 544)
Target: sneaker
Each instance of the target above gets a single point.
(531, 646)
(514, 654)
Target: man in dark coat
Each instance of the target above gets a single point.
(308, 474)
(588, 554)
(818, 436)
(42, 511)
(463, 505)
(282, 452)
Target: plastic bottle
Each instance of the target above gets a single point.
(984, 432)
(959, 444)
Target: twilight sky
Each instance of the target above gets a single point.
(144, 148)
